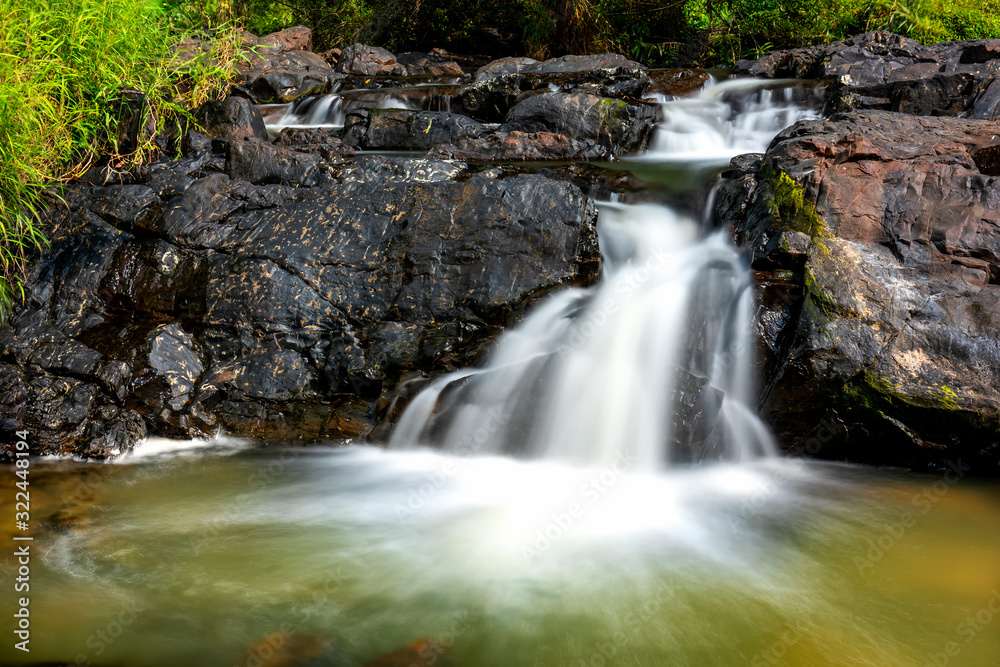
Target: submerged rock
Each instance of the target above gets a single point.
(885, 348)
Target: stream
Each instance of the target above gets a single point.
(542, 509)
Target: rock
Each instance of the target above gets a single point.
(564, 64)
(368, 61)
(491, 98)
(232, 118)
(272, 311)
(321, 140)
(396, 130)
(423, 64)
(891, 353)
(507, 146)
(285, 649)
(502, 66)
(880, 70)
(617, 125)
(286, 76)
(298, 38)
(987, 105)
(421, 653)
(261, 163)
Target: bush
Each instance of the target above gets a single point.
(68, 70)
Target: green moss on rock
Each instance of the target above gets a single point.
(790, 208)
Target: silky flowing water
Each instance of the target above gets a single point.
(555, 521)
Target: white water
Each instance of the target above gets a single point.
(710, 127)
(652, 366)
(314, 112)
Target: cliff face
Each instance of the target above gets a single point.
(876, 237)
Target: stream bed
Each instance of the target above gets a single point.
(190, 553)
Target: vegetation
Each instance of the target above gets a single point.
(658, 32)
(70, 71)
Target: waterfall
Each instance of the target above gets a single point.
(324, 111)
(729, 118)
(652, 366)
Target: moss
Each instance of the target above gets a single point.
(871, 392)
(790, 208)
(947, 398)
(817, 295)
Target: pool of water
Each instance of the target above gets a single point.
(231, 553)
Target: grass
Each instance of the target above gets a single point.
(67, 69)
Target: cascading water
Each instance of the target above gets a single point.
(729, 118)
(230, 553)
(653, 365)
(324, 111)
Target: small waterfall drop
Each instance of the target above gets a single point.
(649, 367)
(726, 119)
(652, 366)
(324, 111)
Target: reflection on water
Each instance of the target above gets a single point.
(191, 557)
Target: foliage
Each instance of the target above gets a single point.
(70, 71)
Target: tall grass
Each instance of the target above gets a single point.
(66, 68)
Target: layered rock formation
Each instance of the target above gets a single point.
(876, 236)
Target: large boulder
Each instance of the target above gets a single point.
(231, 118)
(877, 237)
(365, 60)
(622, 127)
(286, 75)
(400, 130)
(199, 302)
(564, 64)
(880, 70)
(515, 146)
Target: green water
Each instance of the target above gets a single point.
(190, 558)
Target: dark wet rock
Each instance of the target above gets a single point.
(261, 163)
(987, 105)
(563, 64)
(288, 75)
(878, 238)
(368, 61)
(880, 70)
(272, 311)
(424, 64)
(232, 118)
(507, 146)
(320, 140)
(679, 82)
(397, 130)
(491, 98)
(615, 124)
